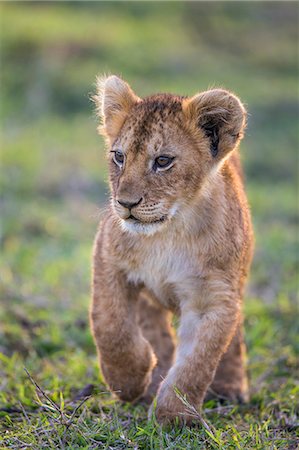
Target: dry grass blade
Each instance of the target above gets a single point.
(42, 392)
(192, 411)
(64, 420)
(56, 434)
(76, 409)
(28, 420)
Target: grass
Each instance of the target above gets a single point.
(53, 186)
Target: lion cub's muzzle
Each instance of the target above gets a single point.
(138, 211)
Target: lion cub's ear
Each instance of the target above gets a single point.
(114, 99)
(221, 116)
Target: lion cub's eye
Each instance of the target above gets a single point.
(163, 163)
(118, 157)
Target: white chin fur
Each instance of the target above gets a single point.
(147, 228)
(141, 228)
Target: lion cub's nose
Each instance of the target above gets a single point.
(127, 204)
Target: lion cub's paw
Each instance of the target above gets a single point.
(129, 382)
(228, 393)
(170, 409)
(132, 391)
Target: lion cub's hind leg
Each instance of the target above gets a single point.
(155, 323)
(230, 381)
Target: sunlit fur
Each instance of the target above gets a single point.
(176, 241)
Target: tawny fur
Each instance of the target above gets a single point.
(187, 251)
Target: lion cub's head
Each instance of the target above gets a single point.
(163, 148)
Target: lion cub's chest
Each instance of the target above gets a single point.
(167, 269)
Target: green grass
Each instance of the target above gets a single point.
(53, 186)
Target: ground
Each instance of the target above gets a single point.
(53, 186)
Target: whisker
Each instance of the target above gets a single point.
(100, 212)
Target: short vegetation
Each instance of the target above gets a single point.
(53, 190)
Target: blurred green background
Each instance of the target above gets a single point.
(53, 171)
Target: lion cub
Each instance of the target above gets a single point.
(176, 239)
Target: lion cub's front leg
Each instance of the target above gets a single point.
(206, 329)
(126, 358)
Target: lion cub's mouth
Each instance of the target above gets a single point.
(132, 218)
